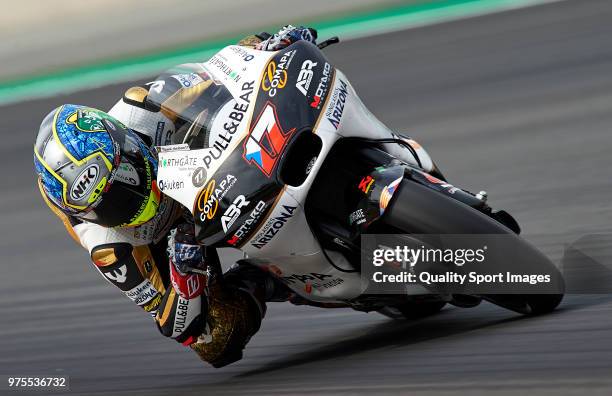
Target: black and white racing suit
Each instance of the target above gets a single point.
(216, 324)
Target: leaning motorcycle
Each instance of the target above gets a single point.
(279, 158)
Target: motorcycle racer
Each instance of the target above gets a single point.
(97, 173)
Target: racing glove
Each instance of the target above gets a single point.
(182, 312)
(215, 320)
(286, 36)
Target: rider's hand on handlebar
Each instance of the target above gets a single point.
(183, 250)
(286, 36)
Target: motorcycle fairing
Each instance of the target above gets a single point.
(251, 206)
(281, 113)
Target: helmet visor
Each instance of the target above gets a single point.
(132, 197)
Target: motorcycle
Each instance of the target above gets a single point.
(278, 157)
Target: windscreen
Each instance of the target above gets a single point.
(192, 99)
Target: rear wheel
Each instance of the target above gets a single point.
(416, 209)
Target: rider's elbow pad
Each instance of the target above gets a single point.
(133, 270)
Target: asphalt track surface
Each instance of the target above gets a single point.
(518, 103)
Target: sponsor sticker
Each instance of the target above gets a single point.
(142, 293)
(172, 147)
(313, 280)
(163, 137)
(186, 162)
(357, 217)
(168, 185)
(275, 77)
(336, 108)
(126, 173)
(208, 199)
(232, 116)
(272, 227)
(387, 194)
(188, 80)
(233, 212)
(244, 229)
(219, 63)
(84, 182)
(305, 77)
(198, 177)
(366, 184)
(182, 311)
(152, 305)
(322, 88)
(244, 54)
(267, 129)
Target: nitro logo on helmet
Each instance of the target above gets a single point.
(272, 227)
(334, 113)
(322, 87)
(266, 141)
(275, 77)
(84, 182)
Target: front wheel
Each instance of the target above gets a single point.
(417, 209)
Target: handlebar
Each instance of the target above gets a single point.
(328, 42)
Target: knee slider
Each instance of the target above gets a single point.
(180, 318)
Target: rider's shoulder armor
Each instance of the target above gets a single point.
(134, 111)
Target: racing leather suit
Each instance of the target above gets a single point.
(215, 322)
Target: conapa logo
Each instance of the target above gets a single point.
(207, 204)
(208, 199)
(275, 78)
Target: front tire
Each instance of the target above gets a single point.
(417, 209)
